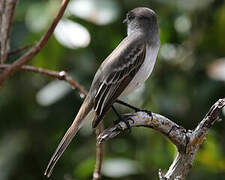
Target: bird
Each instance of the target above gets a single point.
(124, 70)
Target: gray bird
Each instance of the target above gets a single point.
(124, 70)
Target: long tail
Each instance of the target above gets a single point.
(71, 132)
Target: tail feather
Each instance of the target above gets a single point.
(71, 132)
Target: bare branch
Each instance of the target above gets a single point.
(7, 8)
(20, 49)
(62, 75)
(99, 154)
(36, 49)
(186, 141)
(171, 130)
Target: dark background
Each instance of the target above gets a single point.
(36, 110)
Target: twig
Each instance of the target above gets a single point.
(186, 141)
(36, 49)
(62, 75)
(15, 51)
(7, 8)
(99, 154)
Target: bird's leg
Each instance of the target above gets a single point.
(125, 120)
(118, 115)
(134, 108)
(128, 105)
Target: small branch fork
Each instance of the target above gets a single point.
(186, 141)
(99, 154)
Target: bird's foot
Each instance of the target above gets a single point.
(126, 120)
(146, 111)
(172, 128)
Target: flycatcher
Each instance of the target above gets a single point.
(124, 70)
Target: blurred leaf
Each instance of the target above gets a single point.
(37, 21)
(182, 24)
(120, 167)
(100, 12)
(52, 92)
(211, 156)
(216, 70)
(72, 35)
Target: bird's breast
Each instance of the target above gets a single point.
(145, 70)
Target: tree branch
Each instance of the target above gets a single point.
(20, 49)
(99, 154)
(62, 75)
(171, 130)
(186, 141)
(36, 49)
(7, 8)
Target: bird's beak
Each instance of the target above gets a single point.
(125, 21)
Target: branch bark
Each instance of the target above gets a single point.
(99, 154)
(7, 8)
(36, 49)
(62, 75)
(20, 49)
(186, 141)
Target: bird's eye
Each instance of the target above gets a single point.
(130, 16)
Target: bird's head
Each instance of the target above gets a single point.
(141, 18)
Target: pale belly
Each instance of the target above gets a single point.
(144, 71)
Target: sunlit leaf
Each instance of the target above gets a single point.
(71, 34)
(119, 167)
(39, 15)
(100, 12)
(168, 51)
(52, 92)
(182, 24)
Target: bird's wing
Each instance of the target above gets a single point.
(116, 73)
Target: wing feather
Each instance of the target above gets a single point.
(111, 86)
